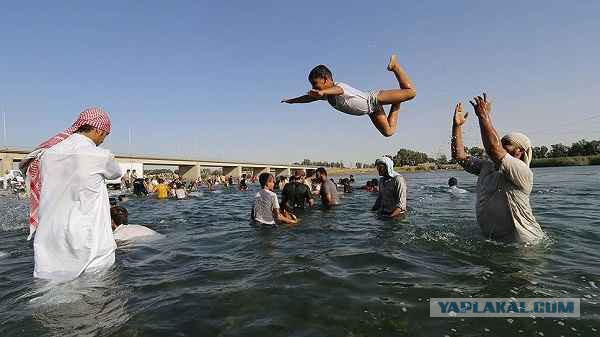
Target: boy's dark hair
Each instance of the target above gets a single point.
(293, 179)
(161, 180)
(320, 71)
(452, 182)
(263, 178)
(322, 171)
(119, 215)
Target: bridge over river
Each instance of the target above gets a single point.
(189, 168)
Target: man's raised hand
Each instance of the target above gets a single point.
(482, 106)
(459, 118)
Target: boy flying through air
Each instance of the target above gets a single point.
(355, 102)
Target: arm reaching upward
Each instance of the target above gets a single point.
(489, 136)
(457, 146)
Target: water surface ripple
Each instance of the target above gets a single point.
(343, 272)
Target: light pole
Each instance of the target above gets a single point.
(4, 144)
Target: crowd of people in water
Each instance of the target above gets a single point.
(298, 191)
(173, 186)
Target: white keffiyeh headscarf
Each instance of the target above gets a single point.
(389, 164)
(522, 141)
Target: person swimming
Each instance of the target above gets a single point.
(453, 184)
(122, 230)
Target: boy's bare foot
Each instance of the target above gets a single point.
(393, 65)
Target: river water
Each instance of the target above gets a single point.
(343, 272)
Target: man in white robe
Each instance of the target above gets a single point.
(72, 220)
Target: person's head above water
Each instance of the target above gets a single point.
(452, 182)
(119, 216)
(321, 174)
(320, 78)
(385, 167)
(519, 146)
(267, 181)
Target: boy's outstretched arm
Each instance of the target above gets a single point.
(300, 99)
(321, 94)
(315, 95)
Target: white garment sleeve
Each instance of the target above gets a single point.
(400, 193)
(344, 86)
(275, 202)
(517, 172)
(112, 170)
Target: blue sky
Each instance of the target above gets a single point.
(205, 79)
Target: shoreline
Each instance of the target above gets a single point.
(536, 163)
(566, 161)
(336, 171)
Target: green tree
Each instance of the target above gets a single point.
(442, 160)
(559, 150)
(540, 151)
(409, 157)
(476, 151)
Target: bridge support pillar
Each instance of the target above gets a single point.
(310, 173)
(234, 171)
(256, 171)
(7, 164)
(285, 172)
(190, 172)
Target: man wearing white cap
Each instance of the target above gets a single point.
(505, 181)
(69, 210)
(391, 201)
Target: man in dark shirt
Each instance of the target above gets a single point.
(243, 186)
(295, 194)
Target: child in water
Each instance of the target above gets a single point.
(355, 102)
(122, 230)
(266, 208)
(454, 189)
